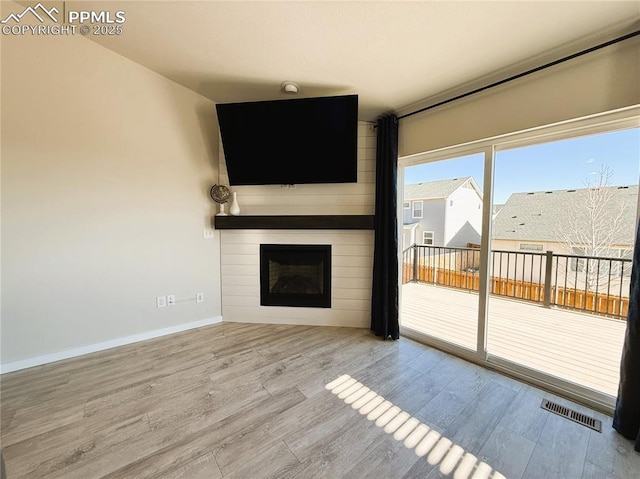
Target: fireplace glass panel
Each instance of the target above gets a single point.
(295, 275)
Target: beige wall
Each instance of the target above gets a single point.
(597, 82)
(105, 174)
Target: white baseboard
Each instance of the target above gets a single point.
(114, 343)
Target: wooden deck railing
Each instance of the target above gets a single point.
(554, 280)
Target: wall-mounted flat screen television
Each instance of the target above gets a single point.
(297, 141)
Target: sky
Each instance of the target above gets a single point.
(558, 165)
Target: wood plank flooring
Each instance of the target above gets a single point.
(251, 401)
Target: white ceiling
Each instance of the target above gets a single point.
(392, 54)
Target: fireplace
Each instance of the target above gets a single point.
(295, 275)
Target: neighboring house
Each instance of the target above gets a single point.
(442, 213)
(559, 221)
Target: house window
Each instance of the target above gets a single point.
(604, 265)
(530, 247)
(450, 202)
(417, 209)
(624, 269)
(577, 264)
(406, 205)
(610, 266)
(427, 237)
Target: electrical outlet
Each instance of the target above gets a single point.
(199, 297)
(161, 301)
(171, 299)
(207, 233)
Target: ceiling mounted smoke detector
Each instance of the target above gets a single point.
(290, 87)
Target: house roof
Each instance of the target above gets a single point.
(539, 215)
(438, 189)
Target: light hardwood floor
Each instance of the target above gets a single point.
(251, 401)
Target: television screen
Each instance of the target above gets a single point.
(308, 140)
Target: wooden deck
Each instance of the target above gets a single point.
(581, 348)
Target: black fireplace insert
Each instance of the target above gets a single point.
(295, 275)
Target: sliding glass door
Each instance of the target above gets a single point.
(441, 236)
(561, 243)
(516, 252)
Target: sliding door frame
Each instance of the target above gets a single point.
(621, 119)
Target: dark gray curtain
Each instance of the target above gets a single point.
(626, 419)
(384, 301)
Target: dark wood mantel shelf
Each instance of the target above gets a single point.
(294, 222)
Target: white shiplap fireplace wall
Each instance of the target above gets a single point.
(352, 250)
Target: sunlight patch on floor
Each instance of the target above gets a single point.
(450, 458)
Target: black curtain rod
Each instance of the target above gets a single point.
(520, 75)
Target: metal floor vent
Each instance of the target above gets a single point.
(575, 416)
